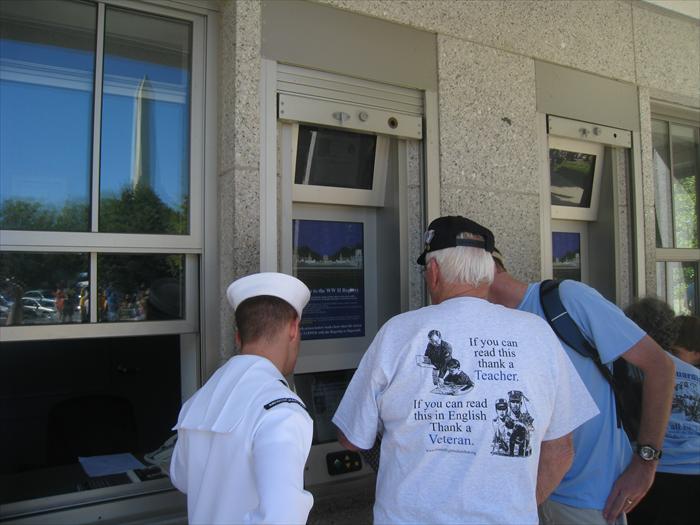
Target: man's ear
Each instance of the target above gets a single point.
(434, 274)
(294, 328)
(237, 337)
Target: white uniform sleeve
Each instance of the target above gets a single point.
(178, 470)
(281, 445)
(573, 405)
(357, 415)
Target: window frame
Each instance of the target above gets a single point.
(673, 115)
(93, 242)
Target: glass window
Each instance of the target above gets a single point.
(43, 288)
(144, 175)
(676, 152)
(676, 184)
(96, 103)
(677, 283)
(684, 142)
(571, 175)
(47, 57)
(662, 178)
(135, 287)
(340, 159)
(89, 397)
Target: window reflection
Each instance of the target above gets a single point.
(684, 140)
(144, 177)
(43, 288)
(662, 180)
(47, 55)
(677, 282)
(135, 287)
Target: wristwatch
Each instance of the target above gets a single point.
(648, 453)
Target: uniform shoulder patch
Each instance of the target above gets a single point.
(281, 400)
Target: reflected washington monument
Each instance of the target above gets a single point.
(142, 166)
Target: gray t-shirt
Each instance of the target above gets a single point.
(463, 450)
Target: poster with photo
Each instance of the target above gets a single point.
(566, 255)
(329, 259)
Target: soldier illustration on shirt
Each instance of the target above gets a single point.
(512, 426)
(502, 429)
(520, 438)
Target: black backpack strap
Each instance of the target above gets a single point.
(568, 331)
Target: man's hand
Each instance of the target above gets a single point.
(657, 394)
(630, 488)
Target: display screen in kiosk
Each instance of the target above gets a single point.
(339, 159)
(571, 177)
(329, 259)
(321, 392)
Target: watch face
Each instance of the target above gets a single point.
(648, 453)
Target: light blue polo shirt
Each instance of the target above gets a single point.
(682, 442)
(602, 451)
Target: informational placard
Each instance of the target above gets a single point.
(566, 254)
(329, 259)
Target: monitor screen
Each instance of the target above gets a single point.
(571, 177)
(339, 159)
(321, 393)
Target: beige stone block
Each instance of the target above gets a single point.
(488, 123)
(227, 88)
(590, 35)
(246, 118)
(667, 52)
(513, 217)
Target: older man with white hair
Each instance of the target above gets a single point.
(244, 437)
(438, 463)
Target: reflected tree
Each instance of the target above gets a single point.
(141, 210)
(33, 215)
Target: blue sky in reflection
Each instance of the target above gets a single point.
(46, 124)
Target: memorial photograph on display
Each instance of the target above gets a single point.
(329, 259)
(571, 177)
(566, 255)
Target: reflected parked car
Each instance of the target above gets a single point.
(5, 307)
(40, 295)
(38, 309)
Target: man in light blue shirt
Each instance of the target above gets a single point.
(607, 478)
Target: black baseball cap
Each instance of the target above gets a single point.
(445, 232)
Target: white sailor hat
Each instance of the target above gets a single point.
(286, 287)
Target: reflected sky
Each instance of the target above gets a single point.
(565, 242)
(327, 237)
(45, 130)
(46, 106)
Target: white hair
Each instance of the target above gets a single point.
(464, 264)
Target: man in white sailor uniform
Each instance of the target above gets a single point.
(244, 437)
